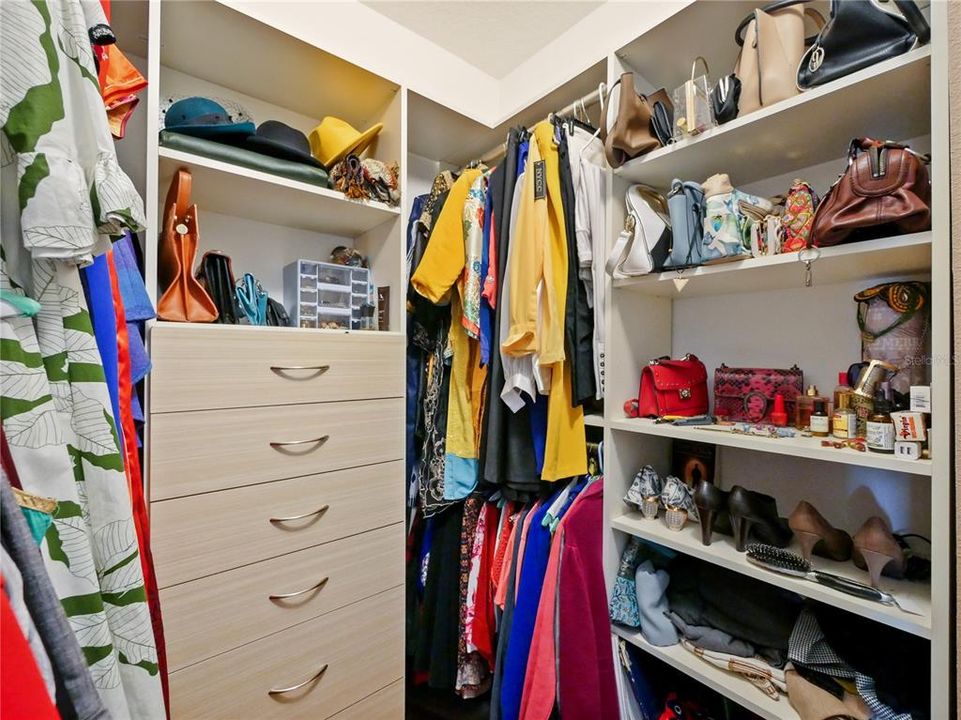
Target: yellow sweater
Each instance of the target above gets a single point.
(539, 257)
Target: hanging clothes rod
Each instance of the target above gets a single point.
(583, 103)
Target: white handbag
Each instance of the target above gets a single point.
(644, 244)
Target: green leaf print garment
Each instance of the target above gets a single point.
(62, 194)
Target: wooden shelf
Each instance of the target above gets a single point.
(221, 187)
(801, 447)
(730, 685)
(801, 131)
(722, 552)
(900, 255)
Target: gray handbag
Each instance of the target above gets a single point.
(685, 203)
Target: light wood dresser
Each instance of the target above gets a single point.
(277, 516)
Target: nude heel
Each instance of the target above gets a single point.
(876, 563)
(807, 541)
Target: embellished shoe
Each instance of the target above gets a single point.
(645, 491)
(816, 535)
(755, 514)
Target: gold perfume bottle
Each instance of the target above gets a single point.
(862, 397)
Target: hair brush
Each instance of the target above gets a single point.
(789, 563)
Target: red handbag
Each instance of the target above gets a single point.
(747, 394)
(673, 387)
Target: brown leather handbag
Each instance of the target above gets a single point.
(885, 190)
(184, 299)
(627, 121)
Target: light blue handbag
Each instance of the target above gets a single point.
(685, 203)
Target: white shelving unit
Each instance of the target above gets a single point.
(757, 312)
(731, 686)
(229, 189)
(722, 552)
(799, 447)
(903, 254)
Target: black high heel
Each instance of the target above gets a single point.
(711, 503)
(756, 513)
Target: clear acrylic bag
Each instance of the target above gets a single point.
(692, 103)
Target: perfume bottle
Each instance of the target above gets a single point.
(841, 388)
(804, 407)
(879, 427)
(862, 397)
(844, 423)
(820, 422)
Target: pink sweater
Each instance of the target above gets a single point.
(570, 659)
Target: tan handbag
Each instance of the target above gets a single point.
(772, 44)
(184, 299)
(627, 121)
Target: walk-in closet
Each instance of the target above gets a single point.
(452, 360)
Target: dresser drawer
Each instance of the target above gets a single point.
(215, 614)
(205, 367)
(386, 704)
(196, 536)
(206, 450)
(361, 645)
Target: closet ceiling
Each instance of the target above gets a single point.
(495, 37)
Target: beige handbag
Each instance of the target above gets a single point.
(772, 44)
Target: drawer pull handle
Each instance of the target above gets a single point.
(319, 511)
(313, 441)
(298, 686)
(319, 369)
(286, 596)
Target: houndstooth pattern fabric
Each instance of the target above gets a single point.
(808, 647)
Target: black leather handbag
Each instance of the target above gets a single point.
(216, 274)
(724, 97)
(859, 34)
(277, 314)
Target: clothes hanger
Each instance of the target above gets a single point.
(27, 307)
(601, 94)
(550, 518)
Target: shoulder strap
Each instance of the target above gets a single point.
(769, 8)
(912, 13)
(178, 195)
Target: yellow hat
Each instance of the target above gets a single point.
(334, 139)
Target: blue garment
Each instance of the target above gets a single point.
(486, 312)
(522, 149)
(537, 407)
(136, 300)
(537, 551)
(415, 366)
(96, 282)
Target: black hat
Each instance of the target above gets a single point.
(279, 140)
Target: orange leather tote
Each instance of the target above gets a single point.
(184, 299)
(630, 132)
(885, 190)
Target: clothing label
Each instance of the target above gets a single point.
(540, 177)
(880, 436)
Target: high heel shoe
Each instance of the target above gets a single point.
(756, 513)
(712, 513)
(877, 551)
(816, 535)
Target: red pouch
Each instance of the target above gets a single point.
(747, 394)
(673, 387)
